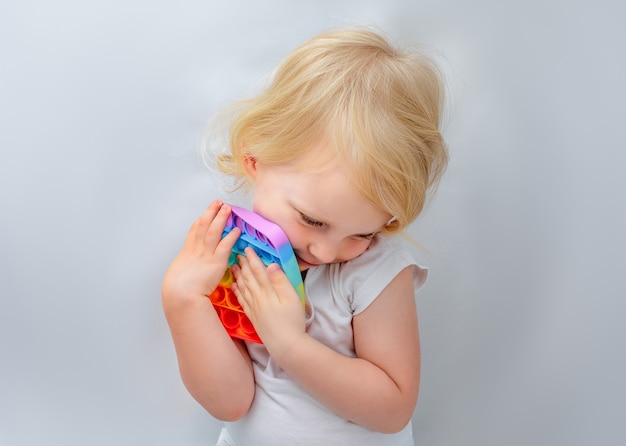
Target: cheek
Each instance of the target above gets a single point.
(351, 249)
(296, 234)
(268, 208)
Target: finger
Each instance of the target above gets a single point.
(257, 267)
(225, 246)
(209, 214)
(241, 298)
(256, 277)
(244, 272)
(247, 279)
(216, 227)
(198, 230)
(241, 289)
(280, 282)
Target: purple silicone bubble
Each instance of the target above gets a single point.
(247, 229)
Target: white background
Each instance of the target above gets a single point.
(103, 106)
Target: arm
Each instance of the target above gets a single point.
(378, 389)
(215, 369)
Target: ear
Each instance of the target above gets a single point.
(249, 164)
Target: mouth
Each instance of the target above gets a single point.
(304, 265)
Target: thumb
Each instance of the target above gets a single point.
(279, 280)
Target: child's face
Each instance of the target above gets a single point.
(324, 216)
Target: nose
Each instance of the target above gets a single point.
(324, 250)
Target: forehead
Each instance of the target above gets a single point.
(327, 194)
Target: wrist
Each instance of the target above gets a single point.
(181, 300)
(285, 349)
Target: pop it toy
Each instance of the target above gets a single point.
(272, 246)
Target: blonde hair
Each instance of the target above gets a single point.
(380, 108)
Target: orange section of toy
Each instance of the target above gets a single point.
(230, 312)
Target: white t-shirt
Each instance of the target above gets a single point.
(283, 413)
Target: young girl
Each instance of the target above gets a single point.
(340, 151)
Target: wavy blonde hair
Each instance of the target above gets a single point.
(379, 107)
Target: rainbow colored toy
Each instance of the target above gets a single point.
(271, 244)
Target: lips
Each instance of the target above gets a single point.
(304, 264)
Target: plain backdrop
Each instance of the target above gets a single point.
(103, 106)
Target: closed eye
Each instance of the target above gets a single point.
(318, 224)
(367, 236)
(310, 221)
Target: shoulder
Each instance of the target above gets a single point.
(364, 278)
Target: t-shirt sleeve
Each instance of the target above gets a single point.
(365, 277)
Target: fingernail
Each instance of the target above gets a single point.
(273, 268)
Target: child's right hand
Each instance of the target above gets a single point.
(201, 264)
(216, 369)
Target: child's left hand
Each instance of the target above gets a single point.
(270, 302)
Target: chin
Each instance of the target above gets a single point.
(303, 265)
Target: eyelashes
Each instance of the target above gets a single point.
(318, 224)
(309, 221)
